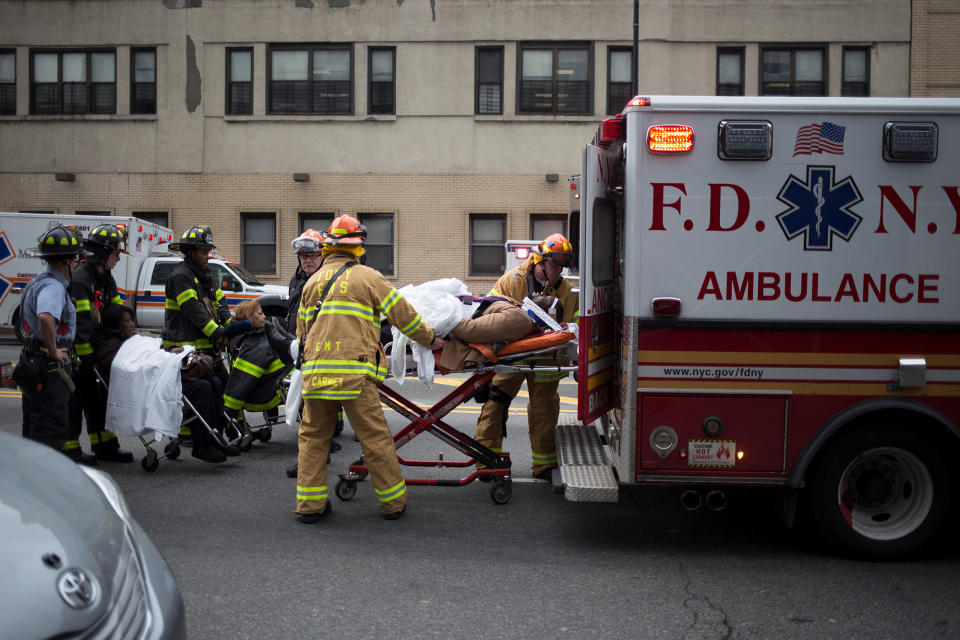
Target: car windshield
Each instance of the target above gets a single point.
(244, 275)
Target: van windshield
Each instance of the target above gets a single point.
(244, 275)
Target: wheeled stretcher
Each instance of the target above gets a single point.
(527, 355)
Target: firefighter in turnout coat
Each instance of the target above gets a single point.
(196, 309)
(343, 362)
(540, 275)
(93, 289)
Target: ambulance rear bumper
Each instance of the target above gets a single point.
(585, 471)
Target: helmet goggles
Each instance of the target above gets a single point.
(559, 259)
(303, 245)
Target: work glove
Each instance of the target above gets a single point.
(280, 339)
(237, 327)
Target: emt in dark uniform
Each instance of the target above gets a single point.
(49, 326)
(93, 288)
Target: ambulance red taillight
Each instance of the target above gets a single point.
(611, 130)
(523, 253)
(639, 101)
(670, 138)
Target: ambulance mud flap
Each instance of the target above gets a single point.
(585, 473)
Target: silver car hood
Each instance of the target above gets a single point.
(56, 527)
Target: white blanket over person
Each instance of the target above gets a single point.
(145, 390)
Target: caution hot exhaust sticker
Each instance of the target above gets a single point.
(712, 453)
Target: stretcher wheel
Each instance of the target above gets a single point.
(246, 442)
(501, 492)
(172, 450)
(346, 489)
(265, 434)
(361, 475)
(150, 461)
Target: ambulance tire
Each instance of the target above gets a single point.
(881, 491)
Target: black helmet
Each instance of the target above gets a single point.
(58, 242)
(194, 238)
(108, 236)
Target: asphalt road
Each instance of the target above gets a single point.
(459, 566)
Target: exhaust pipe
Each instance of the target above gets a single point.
(691, 500)
(717, 500)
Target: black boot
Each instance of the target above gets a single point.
(112, 453)
(78, 456)
(208, 454)
(292, 470)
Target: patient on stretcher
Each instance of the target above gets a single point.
(496, 322)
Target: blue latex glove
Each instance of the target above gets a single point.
(237, 327)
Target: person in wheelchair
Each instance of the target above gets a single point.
(261, 361)
(117, 325)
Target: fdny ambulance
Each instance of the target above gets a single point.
(770, 297)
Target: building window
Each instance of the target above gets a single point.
(8, 83)
(143, 81)
(619, 86)
(793, 72)
(555, 79)
(379, 244)
(730, 72)
(856, 72)
(488, 233)
(89, 212)
(73, 82)
(542, 225)
(311, 80)
(159, 218)
(259, 242)
(40, 211)
(240, 81)
(489, 81)
(381, 93)
(318, 221)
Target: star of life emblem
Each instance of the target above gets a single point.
(819, 208)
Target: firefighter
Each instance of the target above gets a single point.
(309, 258)
(343, 361)
(92, 289)
(196, 312)
(540, 275)
(49, 326)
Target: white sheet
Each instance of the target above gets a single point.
(145, 391)
(437, 303)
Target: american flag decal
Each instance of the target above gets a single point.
(819, 138)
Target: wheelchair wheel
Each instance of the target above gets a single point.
(150, 461)
(346, 489)
(265, 434)
(172, 450)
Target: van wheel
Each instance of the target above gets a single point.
(881, 491)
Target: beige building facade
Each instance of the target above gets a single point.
(448, 127)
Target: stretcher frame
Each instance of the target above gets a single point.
(495, 465)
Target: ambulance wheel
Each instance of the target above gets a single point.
(172, 450)
(150, 461)
(265, 434)
(881, 491)
(501, 492)
(346, 489)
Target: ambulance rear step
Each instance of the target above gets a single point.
(585, 473)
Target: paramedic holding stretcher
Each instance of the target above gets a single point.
(540, 275)
(342, 361)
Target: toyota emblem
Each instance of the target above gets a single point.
(77, 588)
